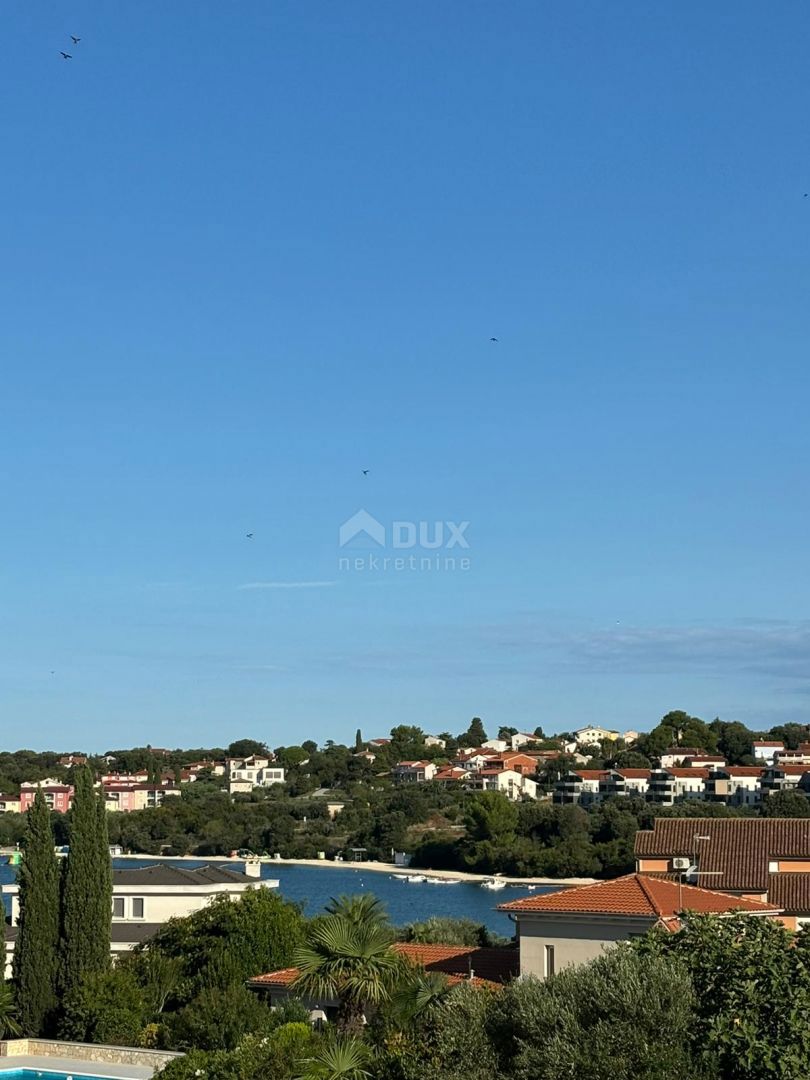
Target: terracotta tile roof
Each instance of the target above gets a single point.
(633, 774)
(742, 770)
(765, 742)
(683, 772)
(637, 895)
(790, 770)
(591, 774)
(491, 966)
(738, 849)
(791, 892)
(682, 751)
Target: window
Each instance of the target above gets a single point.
(118, 907)
(137, 907)
(549, 951)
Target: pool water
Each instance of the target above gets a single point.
(45, 1074)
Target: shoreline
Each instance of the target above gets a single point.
(377, 868)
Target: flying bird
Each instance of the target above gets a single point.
(365, 472)
(66, 55)
(75, 40)
(493, 339)
(249, 536)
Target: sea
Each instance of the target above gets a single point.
(405, 901)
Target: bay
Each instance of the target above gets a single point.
(405, 902)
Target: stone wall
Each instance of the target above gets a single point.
(112, 1055)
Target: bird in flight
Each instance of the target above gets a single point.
(493, 339)
(365, 472)
(65, 55)
(249, 536)
(75, 40)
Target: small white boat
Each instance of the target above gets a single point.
(417, 879)
(493, 883)
(400, 877)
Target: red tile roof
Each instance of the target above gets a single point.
(790, 891)
(591, 774)
(737, 851)
(742, 770)
(633, 774)
(492, 966)
(637, 895)
(682, 771)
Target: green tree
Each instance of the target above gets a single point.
(491, 816)
(218, 1018)
(350, 962)
(105, 1007)
(751, 981)
(340, 1058)
(358, 740)
(475, 734)
(9, 1025)
(786, 804)
(440, 930)
(243, 748)
(231, 941)
(623, 1016)
(36, 958)
(86, 889)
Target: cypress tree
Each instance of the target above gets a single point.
(36, 958)
(86, 888)
(358, 740)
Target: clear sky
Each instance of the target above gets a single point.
(253, 247)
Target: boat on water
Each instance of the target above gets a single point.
(418, 879)
(493, 883)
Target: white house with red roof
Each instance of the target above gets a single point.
(512, 784)
(767, 749)
(414, 772)
(569, 927)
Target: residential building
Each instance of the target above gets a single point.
(245, 774)
(57, 796)
(498, 745)
(767, 750)
(521, 763)
(704, 761)
(629, 737)
(799, 756)
(434, 740)
(69, 760)
(624, 782)
(678, 784)
(755, 858)
(450, 774)
(735, 785)
(473, 759)
(676, 755)
(781, 777)
(9, 804)
(588, 736)
(144, 898)
(579, 786)
(414, 772)
(125, 798)
(521, 738)
(487, 968)
(379, 743)
(366, 755)
(511, 783)
(574, 926)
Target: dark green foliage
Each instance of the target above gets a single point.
(230, 941)
(447, 931)
(751, 981)
(218, 1018)
(36, 963)
(449, 1042)
(9, 1025)
(786, 804)
(86, 889)
(267, 1056)
(622, 1017)
(475, 734)
(105, 1007)
(243, 748)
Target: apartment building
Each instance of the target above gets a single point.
(579, 786)
(414, 772)
(245, 774)
(125, 798)
(624, 782)
(512, 784)
(677, 784)
(58, 797)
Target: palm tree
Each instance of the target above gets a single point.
(8, 1013)
(337, 1059)
(417, 996)
(358, 909)
(351, 962)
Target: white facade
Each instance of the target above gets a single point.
(245, 774)
(510, 783)
(434, 740)
(587, 736)
(498, 745)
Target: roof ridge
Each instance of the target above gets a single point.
(645, 888)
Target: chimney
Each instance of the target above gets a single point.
(253, 867)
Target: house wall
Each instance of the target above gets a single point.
(575, 941)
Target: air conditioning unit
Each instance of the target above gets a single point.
(681, 863)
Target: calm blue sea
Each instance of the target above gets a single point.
(314, 885)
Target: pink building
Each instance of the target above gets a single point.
(57, 796)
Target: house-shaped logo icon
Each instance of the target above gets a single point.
(362, 530)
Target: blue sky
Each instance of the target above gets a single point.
(252, 248)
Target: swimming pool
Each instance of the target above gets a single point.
(46, 1074)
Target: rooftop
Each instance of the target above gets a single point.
(161, 874)
(638, 895)
(737, 851)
